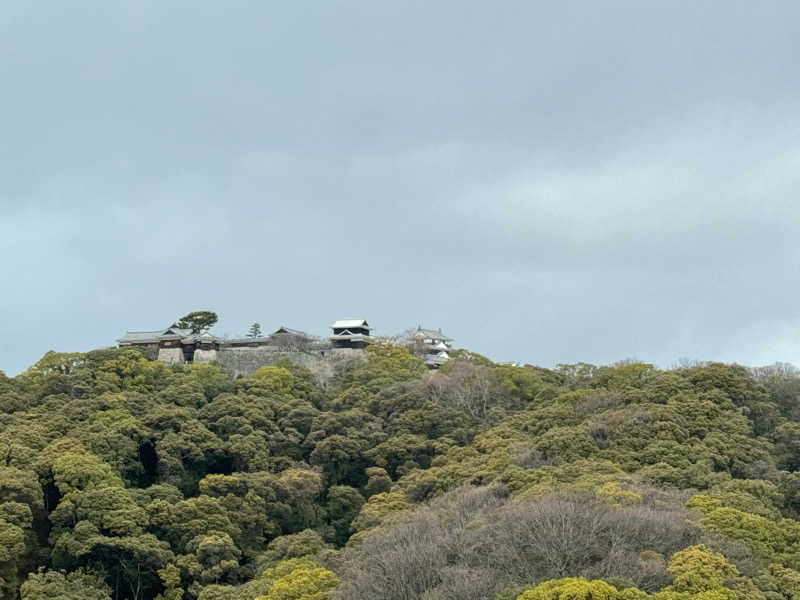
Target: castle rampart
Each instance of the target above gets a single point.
(171, 356)
(321, 362)
(244, 356)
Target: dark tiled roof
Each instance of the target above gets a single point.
(143, 337)
(409, 335)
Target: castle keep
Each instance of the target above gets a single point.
(350, 333)
(431, 345)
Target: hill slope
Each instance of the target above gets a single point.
(126, 478)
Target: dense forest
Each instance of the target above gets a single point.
(123, 478)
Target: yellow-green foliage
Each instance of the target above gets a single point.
(645, 422)
(131, 371)
(12, 541)
(715, 594)
(697, 569)
(83, 471)
(298, 579)
(572, 588)
(773, 540)
(387, 364)
(611, 492)
(275, 379)
(57, 585)
(701, 574)
(171, 578)
(379, 507)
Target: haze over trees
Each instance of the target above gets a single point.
(128, 479)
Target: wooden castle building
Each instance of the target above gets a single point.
(350, 333)
(175, 345)
(431, 345)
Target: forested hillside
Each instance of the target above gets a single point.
(127, 479)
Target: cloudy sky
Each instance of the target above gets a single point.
(548, 182)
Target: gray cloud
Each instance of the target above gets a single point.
(548, 184)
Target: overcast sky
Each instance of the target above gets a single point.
(547, 182)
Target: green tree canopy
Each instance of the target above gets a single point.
(58, 585)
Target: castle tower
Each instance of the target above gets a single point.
(350, 333)
(431, 345)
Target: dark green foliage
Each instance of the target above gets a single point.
(342, 506)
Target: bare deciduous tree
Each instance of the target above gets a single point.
(472, 542)
(465, 387)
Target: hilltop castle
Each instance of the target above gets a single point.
(176, 345)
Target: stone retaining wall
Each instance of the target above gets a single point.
(322, 363)
(171, 356)
(203, 357)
